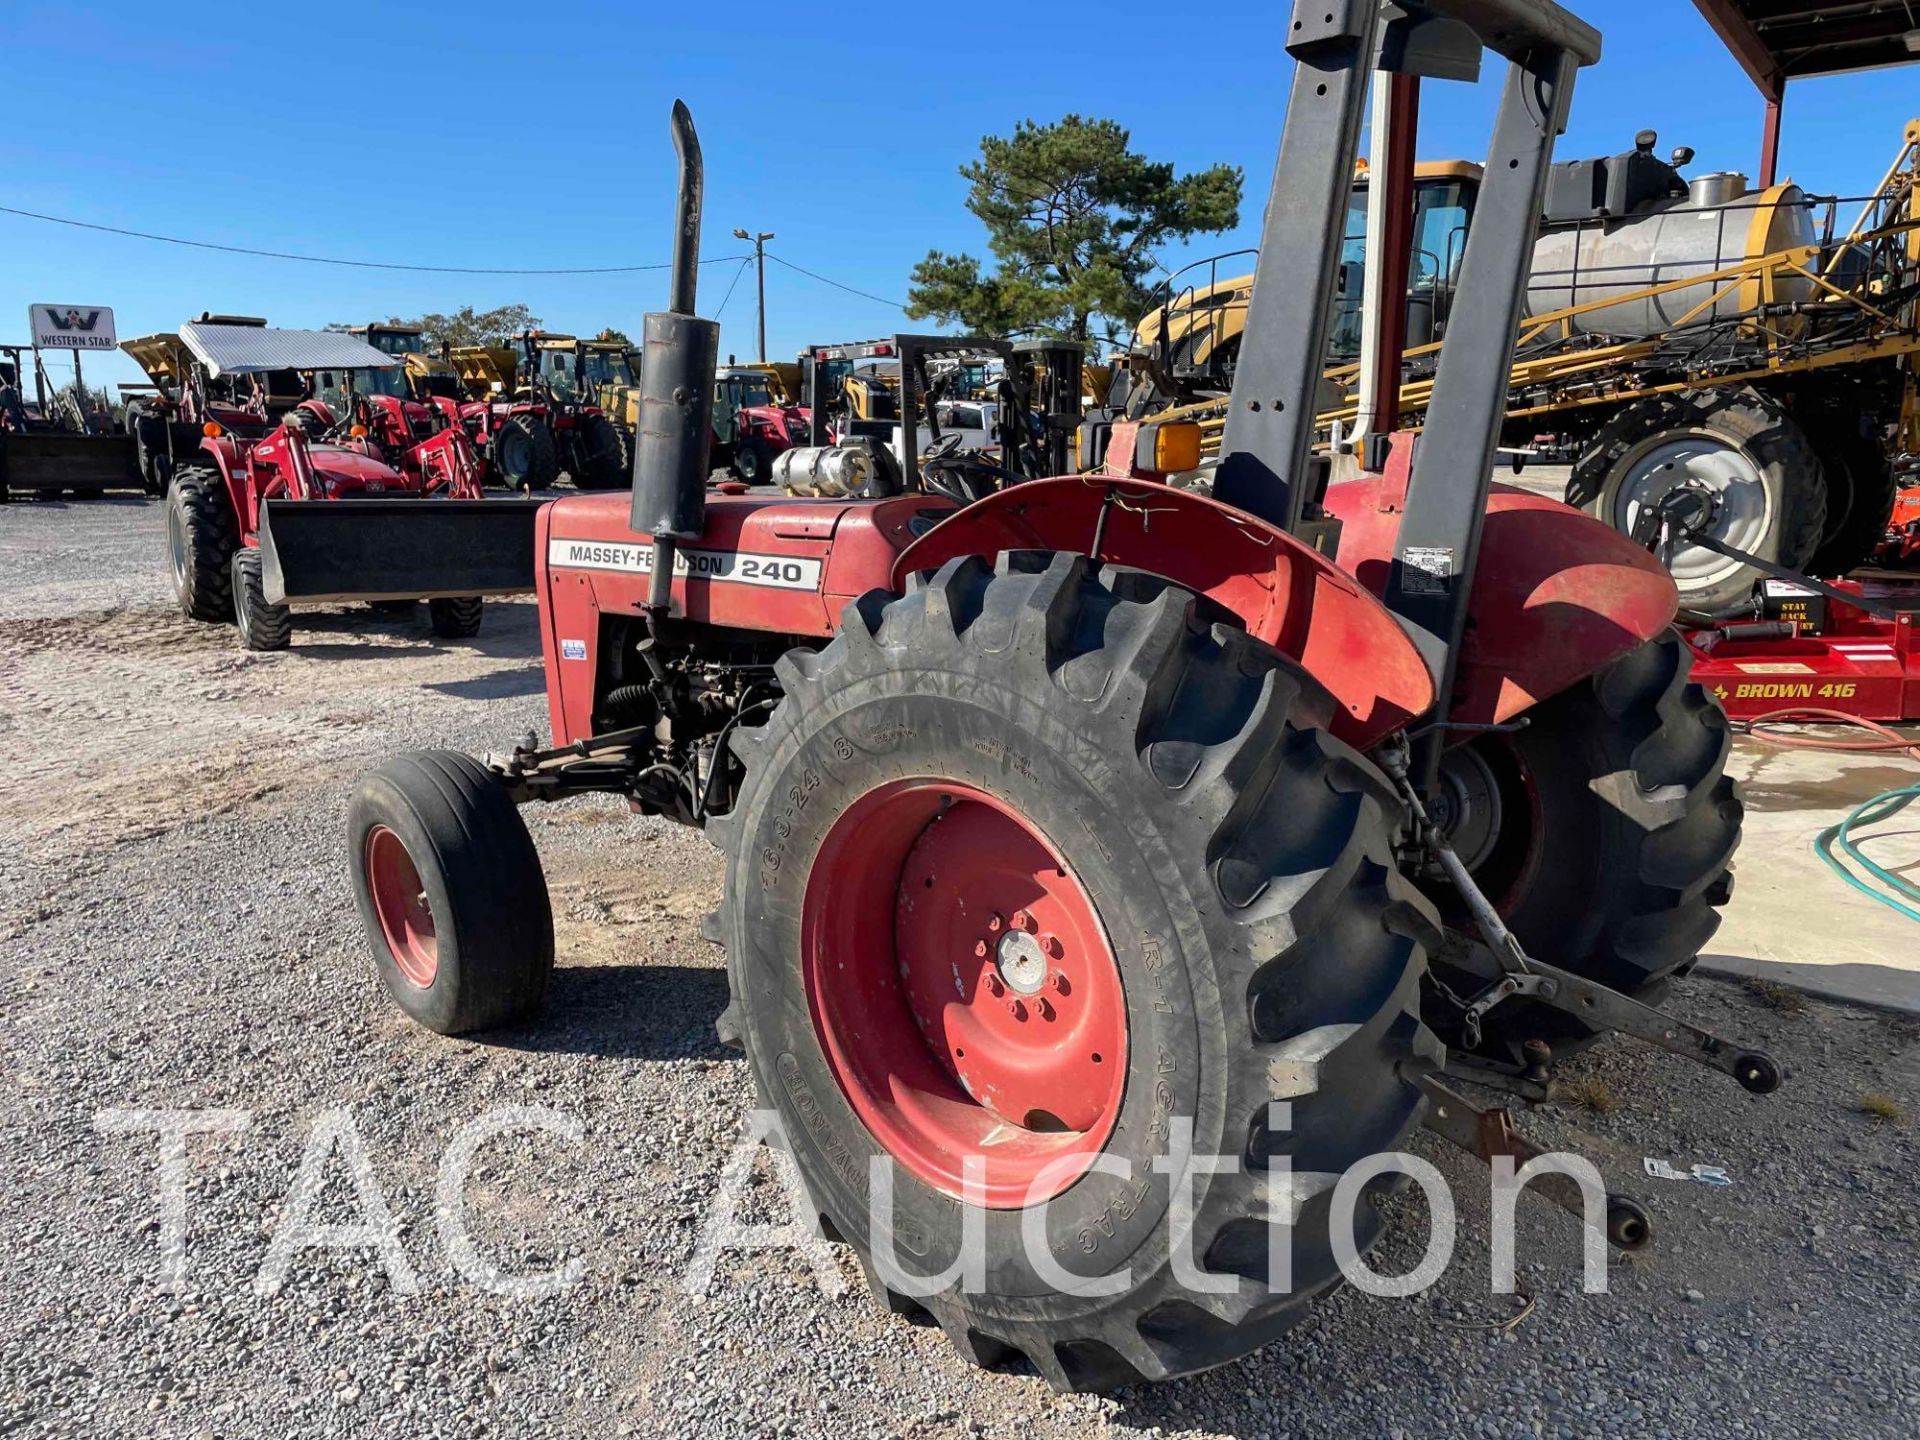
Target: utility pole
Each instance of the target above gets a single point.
(759, 243)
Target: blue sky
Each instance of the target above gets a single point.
(464, 135)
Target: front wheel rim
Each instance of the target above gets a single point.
(177, 548)
(400, 903)
(964, 993)
(515, 454)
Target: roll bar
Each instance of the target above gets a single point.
(1266, 464)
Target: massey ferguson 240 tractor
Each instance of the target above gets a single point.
(310, 507)
(1097, 817)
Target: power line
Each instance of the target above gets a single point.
(744, 262)
(352, 264)
(864, 294)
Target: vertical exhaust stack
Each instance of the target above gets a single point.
(679, 352)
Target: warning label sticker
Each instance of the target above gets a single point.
(1773, 667)
(1426, 570)
(739, 567)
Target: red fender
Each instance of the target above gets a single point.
(224, 451)
(1285, 592)
(1556, 593)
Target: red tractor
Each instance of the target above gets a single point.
(302, 506)
(1097, 828)
(506, 420)
(751, 426)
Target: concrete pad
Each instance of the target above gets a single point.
(1794, 922)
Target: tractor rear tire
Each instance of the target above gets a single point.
(524, 457)
(450, 892)
(151, 460)
(201, 544)
(1740, 446)
(262, 626)
(599, 452)
(1072, 759)
(456, 618)
(1856, 460)
(751, 462)
(1616, 829)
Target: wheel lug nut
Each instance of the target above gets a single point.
(996, 922)
(1016, 1009)
(1057, 983)
(994, 987)
(1051, 944)
(1025, 921)
(980, 950)
(1046, 1010)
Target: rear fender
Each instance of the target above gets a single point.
(1556, 593)
(1284, 592)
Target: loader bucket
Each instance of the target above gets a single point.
(315, 551)
(68, 462)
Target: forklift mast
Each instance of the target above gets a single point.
(1267, 466)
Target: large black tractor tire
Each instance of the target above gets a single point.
(455, 618)
(1603, 831)
(1743, 448)
(201, 543)
(151, 459)
(1860, 473)
(262, 626)
(1234, 862)
(599, 453)
(524, 457)
(450, 892)
(752, 462)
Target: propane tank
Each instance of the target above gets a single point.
(1716, 226)
(824, 470)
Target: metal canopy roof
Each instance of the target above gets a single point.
(1780, 40)
(251, 349)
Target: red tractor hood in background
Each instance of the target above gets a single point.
(350, 470)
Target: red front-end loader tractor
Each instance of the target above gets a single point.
(1109, 867)
(312, 508)
(751, 426)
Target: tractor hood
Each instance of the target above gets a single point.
(350, 470)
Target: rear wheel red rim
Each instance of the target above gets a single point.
(400, 902)
(964, 992)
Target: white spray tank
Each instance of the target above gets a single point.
(1629, 222)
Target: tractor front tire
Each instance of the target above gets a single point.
(1739, 447)
(455, 618)
(523, 453)
(201, 544)
(751, 462)
(600, 454)
(450, 892)
(1603, 832)
(262, 626)
(1032, 870)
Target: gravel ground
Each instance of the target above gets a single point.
(176, 930)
